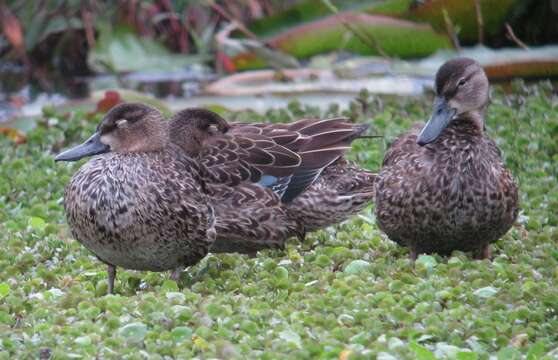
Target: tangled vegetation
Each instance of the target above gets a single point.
(347, 292)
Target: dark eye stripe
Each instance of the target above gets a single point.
(452, 90)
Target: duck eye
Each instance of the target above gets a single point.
(212, 129)
(121, 122)
(461, 82)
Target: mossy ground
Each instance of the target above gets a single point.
(347, 292)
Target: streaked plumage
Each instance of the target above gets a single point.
(141, 204)
(341, 190)
(286, 160)
(446, 188)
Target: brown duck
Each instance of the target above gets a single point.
(445, 187)
(144, 204)
(301, 163)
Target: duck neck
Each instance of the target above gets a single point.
(158, 135)
(470, 123)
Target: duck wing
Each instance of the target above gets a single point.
(328, 140)
(236, 157)
(288, 158)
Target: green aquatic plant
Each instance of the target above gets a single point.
(346, 292)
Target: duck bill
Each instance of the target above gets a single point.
(90, 147)
(441, 116)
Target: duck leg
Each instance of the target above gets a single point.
(111, 271)
(175, 275)
(485, 252)
(413, 256)
(301, 232)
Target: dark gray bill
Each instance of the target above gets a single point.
(441, 116)
(90, 147)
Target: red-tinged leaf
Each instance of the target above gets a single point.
(14, 134)
(227, 63)
(111, 99)
(12, 29)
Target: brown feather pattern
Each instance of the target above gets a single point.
(300, 152)
(454, 193)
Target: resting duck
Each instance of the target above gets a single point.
(144, 204)
(445, 187)
(302, 163)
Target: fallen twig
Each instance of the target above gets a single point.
(515, 39)
(480, 21)
(230, 18)
(451, 30)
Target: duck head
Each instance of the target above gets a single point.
(126, 128)
(189, 128)
(462, 89)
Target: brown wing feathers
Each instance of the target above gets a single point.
(288, 156)
(329, 140)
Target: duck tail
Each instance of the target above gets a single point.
(360, 130)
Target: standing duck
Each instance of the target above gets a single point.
(140, 203)
(445, 187)
(301, 163)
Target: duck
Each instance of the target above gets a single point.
(143, 203)
(139, 203)
(443, 186)
(301, 162)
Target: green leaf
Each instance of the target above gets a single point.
(290, 336)
(4, 290)
(181, 333)
(421, 352)
(536, 351)
(428, 261)
(120, 49)
(509, 354)
(467, 355)
(170, 285)
(134, 332)
(37, 223)
(281, 273)
(356, 267)
(83, 340)
(485, 292)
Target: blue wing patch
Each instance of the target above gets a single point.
(278, 184)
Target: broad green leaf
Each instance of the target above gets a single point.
(290, 336)
(356, 267)
(83, 340)
(37, 223)
(486, 292)
(421, 352)
(428, 261)
(181, 333)
(536, 351)
(120, 49)
(467, 355)
(4, 290)
(170, 285)
(134, 332)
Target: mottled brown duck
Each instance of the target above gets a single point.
(144, 204)
(301, 163)
(445, 187)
